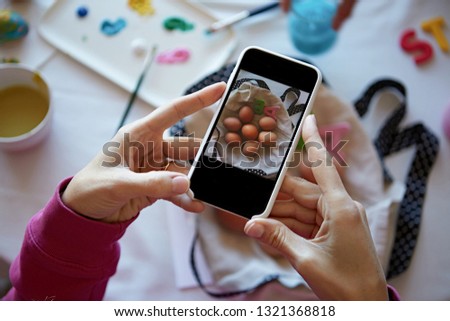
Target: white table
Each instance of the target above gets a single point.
(88, 108)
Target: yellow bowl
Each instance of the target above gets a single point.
(25, 107)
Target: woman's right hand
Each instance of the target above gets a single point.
(322, 232)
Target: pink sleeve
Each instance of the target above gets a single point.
(65, 256)
(393, 294)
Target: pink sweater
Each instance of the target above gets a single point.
(66, 256)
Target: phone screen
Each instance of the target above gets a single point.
(240, 164)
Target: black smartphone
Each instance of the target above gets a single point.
(242, 160)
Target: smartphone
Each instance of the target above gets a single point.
(242, 160)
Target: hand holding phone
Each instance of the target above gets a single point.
(243, 157)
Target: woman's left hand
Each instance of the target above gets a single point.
(323, 232)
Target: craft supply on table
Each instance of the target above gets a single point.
(310, 24)
(111, 28)
(177, 55)
(422, 49)
(177, 23)
(436, 26)
(423, 52)
(12, 26)
(147, 64)
(82, 11)
(25, 107)
(227, 22)
(117, 48)
(139, 46)
(142, 7)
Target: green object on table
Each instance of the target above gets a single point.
(174, 23)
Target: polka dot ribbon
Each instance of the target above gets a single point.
(390, 140)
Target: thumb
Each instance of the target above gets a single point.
(158, 184)
(278, 236)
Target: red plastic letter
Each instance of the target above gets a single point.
(410, 44)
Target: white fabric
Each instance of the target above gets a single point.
(88, 109)
(237, 262)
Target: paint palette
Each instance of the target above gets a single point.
(115, 56)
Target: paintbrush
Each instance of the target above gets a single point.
(147, 63)
(222, 24)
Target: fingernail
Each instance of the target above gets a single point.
(190, 193)
(255, 230)
(180, 184)
(313, 118)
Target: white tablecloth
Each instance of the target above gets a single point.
(88, 108)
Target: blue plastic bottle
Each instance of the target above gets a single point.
(310, 25)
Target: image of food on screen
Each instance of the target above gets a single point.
(256, 127)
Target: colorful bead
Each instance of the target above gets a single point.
(82, 11)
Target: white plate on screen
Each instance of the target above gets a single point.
(113, 57)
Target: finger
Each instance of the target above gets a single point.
(362, 212)
(323, 169)
(155, 184)
(187, 203)
(303, 229)
(278, 236)
(181, 148)
(295, 211)
(285, 5)
(164, 117)
(283, 197)
(344, 11)
(305, 171)
(178, 167)
(304, 192)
